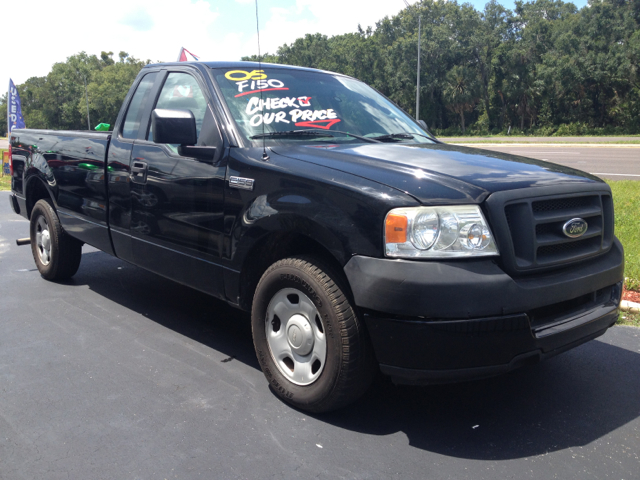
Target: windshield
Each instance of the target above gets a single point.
(286, 106)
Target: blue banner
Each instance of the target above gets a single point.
(14, 109)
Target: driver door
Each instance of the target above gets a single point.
(177, 201)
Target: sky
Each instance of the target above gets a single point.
(48, 31)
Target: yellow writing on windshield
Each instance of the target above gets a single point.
(240, 75)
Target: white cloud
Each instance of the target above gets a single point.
(138, 19)
(340, 16)
(156, 29)
(330, 17)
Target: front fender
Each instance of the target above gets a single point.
(340, 212)
(344, 222)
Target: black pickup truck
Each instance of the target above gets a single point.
(358, 241)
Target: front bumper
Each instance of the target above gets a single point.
(435, 322)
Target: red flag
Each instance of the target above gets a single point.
(182, 57)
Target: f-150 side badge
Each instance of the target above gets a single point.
(242, 183)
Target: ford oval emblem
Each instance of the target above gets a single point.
(574, 228)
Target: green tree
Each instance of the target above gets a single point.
(592, 68)
(3, 116)
(543, 65)
(58, 100)
(110, 85)
(494, 28)
(461, 91)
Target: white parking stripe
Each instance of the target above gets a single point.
(618, 174)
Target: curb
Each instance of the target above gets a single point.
(630, 307)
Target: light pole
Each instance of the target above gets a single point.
(418, 74)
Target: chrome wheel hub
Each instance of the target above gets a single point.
(300, 335)
(43, 241)
(295, 336)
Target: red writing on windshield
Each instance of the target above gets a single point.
(262, 90)
(323, 124)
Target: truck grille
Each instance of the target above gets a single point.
(536, 229)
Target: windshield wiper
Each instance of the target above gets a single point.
(399, 136)
(292, 133)
(311, 133)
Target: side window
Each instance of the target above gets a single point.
(182, 92)
(134, 113)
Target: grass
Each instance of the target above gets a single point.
(540, 136)
(631, 319)
(626, 200)
(5, 181)
(531, 135)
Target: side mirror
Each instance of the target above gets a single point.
(423, 124)
(174, 126)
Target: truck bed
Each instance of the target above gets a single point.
(71, 166)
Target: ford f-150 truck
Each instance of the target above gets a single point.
(358, 241)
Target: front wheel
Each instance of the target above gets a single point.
(310, 343)
(57, 255)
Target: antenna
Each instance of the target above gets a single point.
(265, 157)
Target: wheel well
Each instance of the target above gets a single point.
(276, 247)
(35, 191)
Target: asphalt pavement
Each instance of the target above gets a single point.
(119, 373)
(615, 162)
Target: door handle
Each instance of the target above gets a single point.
(138, 166)
(139, 172)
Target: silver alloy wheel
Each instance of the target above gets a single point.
(295, 336)
(43, 240)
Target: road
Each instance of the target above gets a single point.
(120, 373)
(615, 162)
(552, 140)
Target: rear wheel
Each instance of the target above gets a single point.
(310, 343)
(57, 255)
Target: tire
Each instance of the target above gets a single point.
(57, 255)
(311, 345)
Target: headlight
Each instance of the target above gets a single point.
(430, 232)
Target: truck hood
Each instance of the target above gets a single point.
(438, 173)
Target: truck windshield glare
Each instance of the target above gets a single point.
(281, 100)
